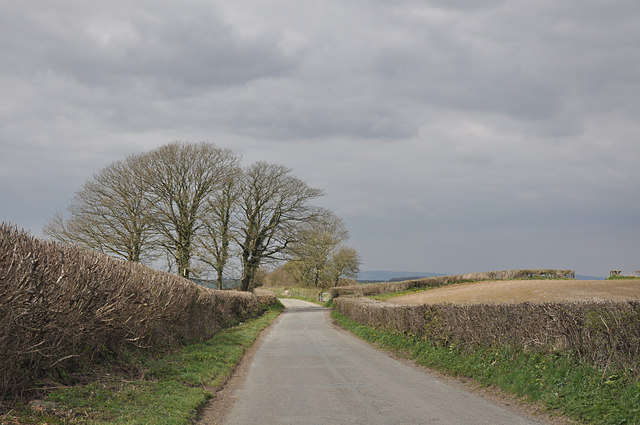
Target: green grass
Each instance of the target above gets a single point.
(298, 293)
(562, 384)
(173, 389)
(622, 277)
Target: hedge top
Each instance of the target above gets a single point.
(431, 282)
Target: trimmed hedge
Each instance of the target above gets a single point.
(433, 282)
(63, 308)
(601, 333)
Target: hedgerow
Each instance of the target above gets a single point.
(64, 309)
(433, 282)
(604, 334)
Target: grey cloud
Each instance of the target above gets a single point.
(466, 135)
(459, 84)
(548, 65)
(278, 120)
(179, 49)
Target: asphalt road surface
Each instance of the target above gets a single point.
(308, 372)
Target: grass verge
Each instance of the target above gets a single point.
(172, 390)
(298, 293)
(557, 381)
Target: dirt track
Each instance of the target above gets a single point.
(515, 291)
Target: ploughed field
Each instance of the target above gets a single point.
(517, 291)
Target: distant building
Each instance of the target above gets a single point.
(615, 273)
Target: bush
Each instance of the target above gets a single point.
(63, 308)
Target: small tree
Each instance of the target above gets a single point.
(345, 263)
(279, 277)
(317, 242)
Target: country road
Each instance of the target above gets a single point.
(306, 371)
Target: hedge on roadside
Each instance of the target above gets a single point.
(601, 333)
(63, 308)
(433, 282)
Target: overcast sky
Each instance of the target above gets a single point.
(452, 136)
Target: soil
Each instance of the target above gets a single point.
(517, 291)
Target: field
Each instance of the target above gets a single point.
(516, 291)
(571, 345)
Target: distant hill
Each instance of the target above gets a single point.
(583, 277)
(387, 275)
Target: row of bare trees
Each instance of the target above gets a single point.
(195, 204)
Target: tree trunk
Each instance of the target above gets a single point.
(182, 262)
(219, 278)
(248, 273)
(244, 283)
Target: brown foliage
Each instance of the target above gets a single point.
(280, 277)
(62, 307)
(433, 282)
(601, 333)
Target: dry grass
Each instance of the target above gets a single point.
(518, 291)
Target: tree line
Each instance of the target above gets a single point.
(196, 205)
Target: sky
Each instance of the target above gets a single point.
(451, 136)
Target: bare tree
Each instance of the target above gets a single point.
(273, 204)
(182, 179)
(110, 214)
(191, 201)
(218, 226)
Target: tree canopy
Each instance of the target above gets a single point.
(273, 207)
(319, 256)
(199, 206)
